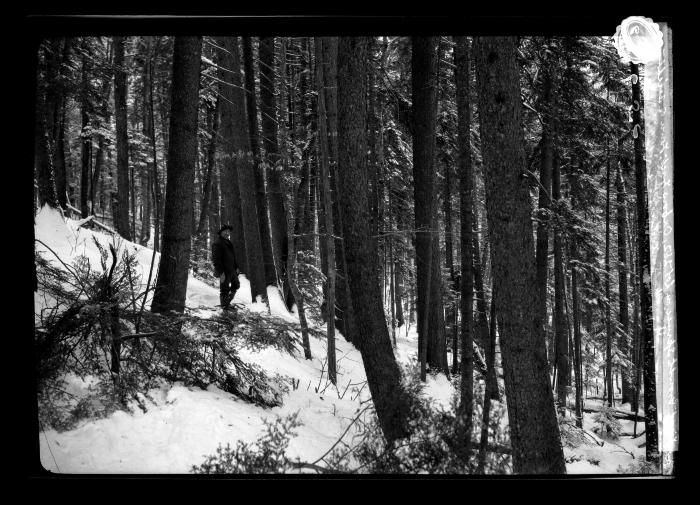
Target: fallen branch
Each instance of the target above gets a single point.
(142, 335)
(618, 414)
(92, 220)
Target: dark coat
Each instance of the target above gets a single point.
(223, 256)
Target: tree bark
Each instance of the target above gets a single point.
(120, 92)
(147, 177)
(258, 167)
(86, 143)
(272, 160)
(466, 190)
(43, 142)
(534, 430)
(173, 272)
(545, 196)
(560, 322)
(431, 325)
(231, 140)
(491, 364)
(608, 326)
(623, 339)
(211, 162)
(344, 309)
(383, 375)
(328, 210)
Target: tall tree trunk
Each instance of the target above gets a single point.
(650, 410)
(60, 93)
(466, 194)
(272, 159)
(383, 375)
(577, 346)
(60, 155)
(398, 295)
(284, 110)
(214, 217)
(86, 144)
(481, 323)
(120, 92)
(328, 209)
(231, 114)
(608, 325)
(157, 198)
(344, 309)
(43, 127)
(258, 167)
(211, 162)
(576, 306)
(147, 176)
(535, 435)
(173, 272)
(624, 339)
(449, 259)
(545, 189)
(560, 323)
(491, 364)
(431, 325)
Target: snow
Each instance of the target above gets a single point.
(612, 454)
(183, 424)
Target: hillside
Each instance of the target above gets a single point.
(183, 424)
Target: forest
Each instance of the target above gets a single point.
(485, 194)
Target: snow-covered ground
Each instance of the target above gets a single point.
(184, 424)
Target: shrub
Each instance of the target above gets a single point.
(609, 424)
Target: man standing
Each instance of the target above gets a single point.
(225, 266)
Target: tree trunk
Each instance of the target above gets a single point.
(431, 325)
(383, 375)
(491, 364)
(214, 205)
(294, 242)
(328, 210)
(481, 324)
(535, 435)
(624, 339)
(545, 196)
(258, 168)
(466, 196)
(211, 162)
(283, 108)
(59, 163)
(60, 86)
(120, 93)
(608, 326)
(560, 323)
(86, 143)
(449, 259)
(147, 177)
(650, 410)
(399, 294)
(157, 199)
(231, 138)
(272, 160)
(173, 272)
(344, 309)
(43, 143)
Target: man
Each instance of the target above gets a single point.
(225, 266)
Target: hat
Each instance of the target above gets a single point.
(224, 228)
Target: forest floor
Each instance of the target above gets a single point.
(182, 425)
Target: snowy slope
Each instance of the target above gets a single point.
(185, 423)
